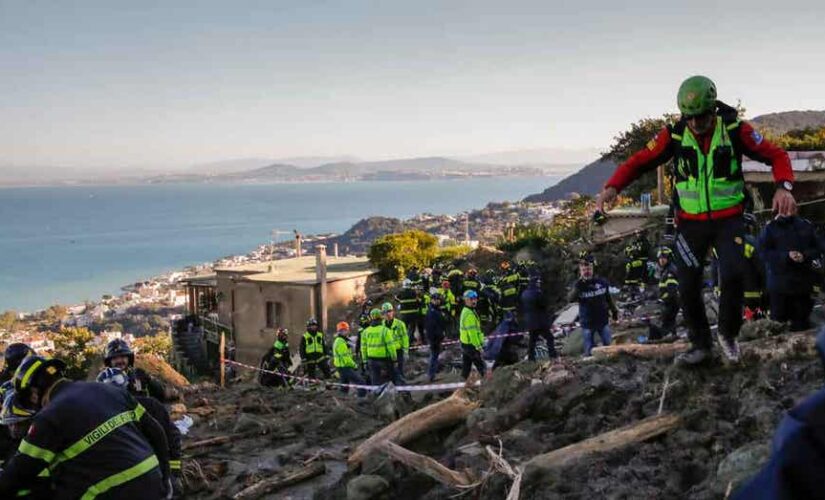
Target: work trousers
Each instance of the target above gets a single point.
(588, 335)
(351, 376)
(693, 241)
(669, 311)
(471, 356)
(399, 355)
(534, 337)
(382, 370)
(435, 351)
(793, 307)
(317, 361)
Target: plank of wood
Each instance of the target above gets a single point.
(280, 481)
(635, 433)
(640, 350)
(426, 465)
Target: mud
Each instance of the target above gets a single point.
(729, 416)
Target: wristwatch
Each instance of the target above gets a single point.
(786, 185)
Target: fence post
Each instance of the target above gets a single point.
(222, 348)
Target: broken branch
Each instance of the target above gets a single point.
(426, 465)
(640, 350)
(281, 481)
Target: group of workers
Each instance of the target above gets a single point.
(65, 439)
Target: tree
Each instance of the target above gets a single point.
(396, 253)
(74, 347)
(8, 321)
(809, 139)
(159, 345)
(54, 314)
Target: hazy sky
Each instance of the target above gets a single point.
(161, 83)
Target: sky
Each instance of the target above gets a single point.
(113, 83)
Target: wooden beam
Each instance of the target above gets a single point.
(445, 413)
(608, 441)
(280, 481)
(648, 351)
(426, 465)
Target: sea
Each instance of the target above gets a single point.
(65, 245)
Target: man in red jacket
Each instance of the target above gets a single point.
(706, 146)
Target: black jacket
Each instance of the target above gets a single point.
(534, 308)
(781, 236)
(595, 302)
(435, 324)
(87, 433)
(159, 412)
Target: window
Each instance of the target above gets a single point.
(274, 310)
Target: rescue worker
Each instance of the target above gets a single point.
(409, 309)
(707, 145)
(14, 354)
(314, 350)
(635, 269)
(364, 316)
(95, 439)
(668, 296)
(456, 277)
(595, 303)
(378, 350)
(471, 337)
(17, 419)
(791, 248)
(754, 275)
(488, 305)
(509, 286)
(524, 269)
(399, 335)
(414, 277)
(343, 360)
(471, 281)
(120, 355)
(435, 327)
(449, 306)
(536, 318)
(277, 359)
(155, 409)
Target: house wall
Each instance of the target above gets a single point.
(342, 296)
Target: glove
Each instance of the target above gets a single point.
(599, 218)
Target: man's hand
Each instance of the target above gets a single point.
(607, 195)
(784, 202)
(796, 256)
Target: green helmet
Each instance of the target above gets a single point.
(375, 314)
(386, 306)
(697, 95)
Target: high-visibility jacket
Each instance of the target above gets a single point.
(313, 343)
(708, 182)
(425, 303)
(280, 350)
(94, 439)
(341, 355)
(409, 303)
(377, 342)
(470, 332)
(399, 334)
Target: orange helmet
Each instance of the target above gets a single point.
(342, 326)
(505, 265)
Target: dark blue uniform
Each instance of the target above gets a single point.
(435, 326)
(536, 319)
(95, 439)
(595, 303)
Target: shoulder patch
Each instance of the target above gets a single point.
(651, 144)
(757, 137)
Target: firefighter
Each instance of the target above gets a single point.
(449, 306)
(754, 274)
(277, 359)
(487, 308)
(14, 354)
(635, 269)
(313, 350)
(471, 281)
(120, 355)
(668, 296)
(509, 286)
(409, 309)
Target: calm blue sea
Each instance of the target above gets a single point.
(70, 244)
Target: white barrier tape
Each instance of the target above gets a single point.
(402, 388)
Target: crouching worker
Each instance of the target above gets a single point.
(471, 337)
(343, 360)
(120, 355)
(276, 360)
(593, 295)
(17, 419)
(95, 439)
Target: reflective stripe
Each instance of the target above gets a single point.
(726, 191)
(733, 125)
(753, 295)
(677, 137)
(26, 448)
(25, 382)
(685, 194)
(98, 433)
(174, 464)
(114, 480)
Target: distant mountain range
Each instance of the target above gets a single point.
(780, 123)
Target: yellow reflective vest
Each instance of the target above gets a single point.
(377, 342)
(342, 356)
(470, 329)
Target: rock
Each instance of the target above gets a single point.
(479, 415)
(574, 343)
(762, 328)
(247, 422)
(367, 487)
(740, 465)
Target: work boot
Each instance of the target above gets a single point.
(730, 348)
(693, 357)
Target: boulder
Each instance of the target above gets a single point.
(740, 465)
(367, 487)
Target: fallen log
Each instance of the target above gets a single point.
(781, 346)
(436, 416)
(281, 481)
(618, 438)
(426, 465)
(228, 438)
(649, 351)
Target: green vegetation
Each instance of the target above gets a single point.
(451, 253)
(74, 347)
(808, 139)
(395, 253)
(8, 321)
(159, 345)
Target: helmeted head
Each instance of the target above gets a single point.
(472, 272)
(436, 298)
(697, 103)
(388, 310)
(664, 255)
(14, 416)
(312, 325)
(470, 298)
(115, 377)
(342, 328)
(375, 314)
(505, 265)
(35, 376)
(13, 356)
(406, 283)
(119, 354)
(445, 285)
(283, 334)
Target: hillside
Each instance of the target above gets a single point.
(785, 121)
(588, 180)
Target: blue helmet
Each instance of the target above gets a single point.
(470, 294)
(114, 376)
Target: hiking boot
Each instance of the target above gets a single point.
(693, 357)
(730, 348)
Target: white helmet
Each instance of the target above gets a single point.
(406, 283)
